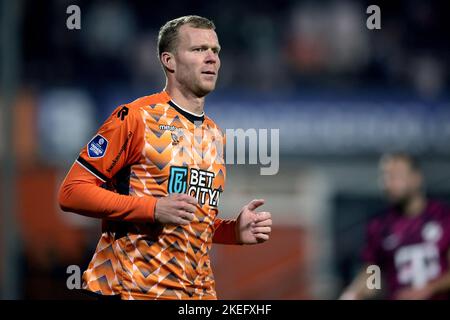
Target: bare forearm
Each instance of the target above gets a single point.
(440, 285)
(358, 289)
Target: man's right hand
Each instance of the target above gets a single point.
(177, 208)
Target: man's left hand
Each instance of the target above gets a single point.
(253, 227)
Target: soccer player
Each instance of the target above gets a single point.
(154, 173)
(410, 242)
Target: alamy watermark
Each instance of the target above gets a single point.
(74, 277)
(374, 20)
(235, 146)
(73, 21)
(373, 281)
(258, 148)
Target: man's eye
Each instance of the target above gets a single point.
(198, 49)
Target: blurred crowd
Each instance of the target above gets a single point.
(274, 45)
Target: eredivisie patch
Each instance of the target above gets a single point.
(96, 148)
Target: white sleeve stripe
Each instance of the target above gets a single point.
(89, 170)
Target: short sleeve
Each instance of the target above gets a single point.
(117, 144)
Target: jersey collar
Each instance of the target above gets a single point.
(192, 117)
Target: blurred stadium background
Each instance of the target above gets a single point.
(339, 93)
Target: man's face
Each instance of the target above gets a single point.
(197, 60)
(399, 180)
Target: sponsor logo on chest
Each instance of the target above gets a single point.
(196, 183)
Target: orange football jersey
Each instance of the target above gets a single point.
(151, 148)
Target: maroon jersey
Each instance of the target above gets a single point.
(410, 251)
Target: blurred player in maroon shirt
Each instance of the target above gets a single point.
(410, 242)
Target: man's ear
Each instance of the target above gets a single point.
(168, 61)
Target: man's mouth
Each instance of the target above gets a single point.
(209, 72)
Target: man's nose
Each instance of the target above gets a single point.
(211, 57)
